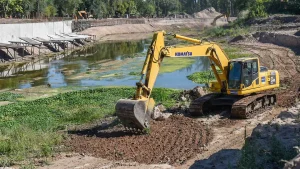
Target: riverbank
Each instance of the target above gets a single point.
(175, 25)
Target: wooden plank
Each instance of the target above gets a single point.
(6, 45)
(42, 40)
(78, 36)
(30, 41)
(71, 38)
(18, 42)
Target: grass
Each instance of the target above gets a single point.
(202, 77)
(173, 64)
(134, 73)
(30, 129)
(272, 154)
(221, 32)
(7, 96)
(235, 52)
(233, 29)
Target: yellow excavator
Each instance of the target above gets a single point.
(240, 83)
(82, 15)
(226, 15)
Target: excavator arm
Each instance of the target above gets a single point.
(135, 113)
(214, 23)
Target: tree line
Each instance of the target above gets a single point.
(145, 8)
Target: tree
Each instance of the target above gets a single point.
(28, 7)
(149, 10)
(72, 6)
(50, 11)
(258, 9)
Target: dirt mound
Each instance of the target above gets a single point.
(207, 13)
(275, 20)
(297, 33)
(172, 141)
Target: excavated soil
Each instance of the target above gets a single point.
(172, 141)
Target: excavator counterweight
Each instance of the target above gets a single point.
(239, 83)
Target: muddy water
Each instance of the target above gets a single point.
(105, 64)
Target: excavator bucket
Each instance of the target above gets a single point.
(133, 113)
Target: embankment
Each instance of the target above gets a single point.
(101, 28)
(286, 40)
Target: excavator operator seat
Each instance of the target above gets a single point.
(250, 72)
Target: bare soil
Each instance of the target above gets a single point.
(172, 141)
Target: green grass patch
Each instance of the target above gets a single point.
(202, 77)
(221, 32)
(173, 64)
(233, 29)
(255, 155)
(134, 73)
(234, 52)
(29, 129)
(7, 96)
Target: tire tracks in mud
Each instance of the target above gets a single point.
(277, 58)
(172, 141)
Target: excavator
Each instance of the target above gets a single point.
(226, 15)
(82, 15)
(241, 84)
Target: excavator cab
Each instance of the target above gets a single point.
(246, 76)
(242, 73)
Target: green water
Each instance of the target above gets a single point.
(105, 64)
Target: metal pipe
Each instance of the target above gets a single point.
(187, 39)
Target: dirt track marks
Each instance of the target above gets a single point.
(172, 141)
(275, 57)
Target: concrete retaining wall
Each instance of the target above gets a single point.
(12, 32)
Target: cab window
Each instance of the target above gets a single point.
(254, 67)
(235, 72)
(247, 74)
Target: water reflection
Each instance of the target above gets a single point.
(105, 64)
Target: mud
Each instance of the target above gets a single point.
(172, 141)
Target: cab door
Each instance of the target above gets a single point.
(250, 72)
(255, 72)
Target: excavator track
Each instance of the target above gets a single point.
(241, 107)
(201, 106)
(248, 106)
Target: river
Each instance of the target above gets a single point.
(105, 64)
